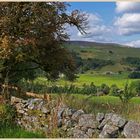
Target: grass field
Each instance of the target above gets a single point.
(97, 79)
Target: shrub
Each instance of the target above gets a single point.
(134, 75)
(89, 89)
(8, 127)
(120, 72)
(104, 88)
(7, 114)
(111, 52)
(132, 61)
(136, 87)
(127, 93)
(114, 90)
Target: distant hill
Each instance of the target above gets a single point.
(87, 43)
(106, 51)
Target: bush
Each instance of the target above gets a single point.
(89, 89)
(136, 87)
(126, 94)
(104, 88)
(134, 75)
(71, 89)
(114, 90)
(7, 114)
(132, 61)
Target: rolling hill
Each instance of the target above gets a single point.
(105, 51)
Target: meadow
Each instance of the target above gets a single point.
(98, 79)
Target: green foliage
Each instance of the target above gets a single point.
(134, 75)
(32, 37)
(8, 126)
(132, 61)
(106, 104)
(94, 63)
(7, 114)
(135, 85)
(114, 90)
(104, 88)
(69, 89)
(17, 132)
(89, 89)
(89, 64)
(126, 94)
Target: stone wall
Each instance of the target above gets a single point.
(40, 115)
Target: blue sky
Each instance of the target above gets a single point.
(104, 9)
(117, 22)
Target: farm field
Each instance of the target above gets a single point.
(97, 79)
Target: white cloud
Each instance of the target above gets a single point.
(93, 18)
(128, 24)
(127, 7)
(97, 30)
(135, 43)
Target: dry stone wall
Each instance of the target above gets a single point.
(40, 115)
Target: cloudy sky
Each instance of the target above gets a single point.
(116, 22)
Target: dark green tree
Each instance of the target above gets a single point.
(32, 36)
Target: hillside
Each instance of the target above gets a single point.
(101, 50)
(106, 51)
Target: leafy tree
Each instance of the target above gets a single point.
(126, 94)
(31, 37)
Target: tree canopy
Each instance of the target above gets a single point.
(31, 37)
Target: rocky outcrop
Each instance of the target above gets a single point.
(132, 130)
(39, 115)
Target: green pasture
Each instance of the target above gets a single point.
(98, 79)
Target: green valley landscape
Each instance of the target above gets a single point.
(69, 73)
(116, 73)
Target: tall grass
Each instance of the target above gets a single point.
(17, 132)
(8, 127)
(105, 104)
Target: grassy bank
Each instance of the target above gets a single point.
(17, 132)
(8, 128)
(106, 104)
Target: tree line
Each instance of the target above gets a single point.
(90, 89)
